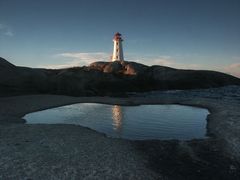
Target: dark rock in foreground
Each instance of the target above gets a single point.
(106, 78)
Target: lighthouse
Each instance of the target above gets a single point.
(117, 48)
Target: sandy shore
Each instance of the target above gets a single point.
(74, 152)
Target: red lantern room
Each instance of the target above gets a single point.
(117, 36)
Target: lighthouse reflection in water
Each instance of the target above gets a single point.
(129, 122)
(117, 117)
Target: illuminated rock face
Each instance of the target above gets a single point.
(117, 48)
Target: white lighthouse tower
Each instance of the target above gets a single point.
(117, 48)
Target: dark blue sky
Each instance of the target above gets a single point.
(180, 33)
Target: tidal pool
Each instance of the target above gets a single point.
(130, 122)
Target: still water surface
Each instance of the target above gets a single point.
(129, 122)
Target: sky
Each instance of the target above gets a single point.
(185, 34)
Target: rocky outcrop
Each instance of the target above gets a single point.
(119, 67)
(5, 64)
(106, 78)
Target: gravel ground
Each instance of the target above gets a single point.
(74, 152)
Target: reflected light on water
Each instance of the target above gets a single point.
(130, 122)
(117, 117)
